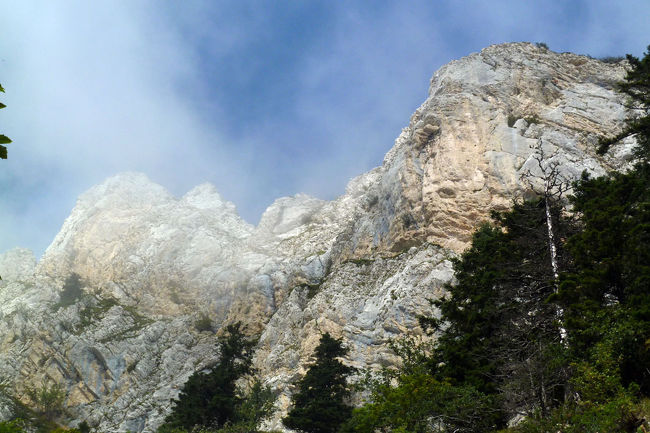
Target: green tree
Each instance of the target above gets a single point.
(319, 404)
(3, 138)
(48, 399)
(421, 404)
(71, 291)
(211, 398)
(605, 295)
(637, 87)
(499, 339)
(609, 287)
(14, 426)
(412, 400)
(610, 284)
(255, 407)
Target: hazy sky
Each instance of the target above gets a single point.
(261, 98)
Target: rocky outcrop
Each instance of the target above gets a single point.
(466, 147)
(117, 366)
(361, 267)
(366, 302)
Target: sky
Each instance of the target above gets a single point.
(263, 99)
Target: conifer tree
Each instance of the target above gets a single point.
(497, 332)
(319, 404)
(637, 87)
(211, 398)
(610, 285)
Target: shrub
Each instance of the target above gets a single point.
(71, 291)
(203, 323)
(15, 426)
(48, 399)
(612, 59)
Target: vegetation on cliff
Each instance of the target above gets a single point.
(212, 399)
(536, 345)
(320, 402)
(3, 138)
(546, 328)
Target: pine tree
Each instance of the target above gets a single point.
(609, 288)
(211, 398)
(637, 87)
(497, 332)
(610, 284)
(319, 405)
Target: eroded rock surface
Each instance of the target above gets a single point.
(466, 147)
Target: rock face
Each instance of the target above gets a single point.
(361, 267)
(467, 145)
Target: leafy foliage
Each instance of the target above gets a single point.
(319, 405)
(14, 426)
(421, 403)
(412, 400)
(3, 138)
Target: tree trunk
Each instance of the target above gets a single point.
(553, 252)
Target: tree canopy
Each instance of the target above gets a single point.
(637, 87)
(211, 398)
(320, 402)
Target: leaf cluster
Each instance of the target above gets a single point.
(419, 404)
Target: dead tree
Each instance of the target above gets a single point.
(552, 188)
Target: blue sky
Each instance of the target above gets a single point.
(261, 98)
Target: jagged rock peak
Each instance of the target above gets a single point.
(206, 196)
(500, 62)
(129, 228)
(288, 213)
(467, 146)
(128, 188)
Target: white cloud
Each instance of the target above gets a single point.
(98, 87)
(92, 89)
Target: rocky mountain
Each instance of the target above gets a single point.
(361, 267)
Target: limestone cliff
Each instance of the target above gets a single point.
(361, 267)
(467, 145)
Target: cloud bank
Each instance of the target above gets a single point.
(262, 99)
